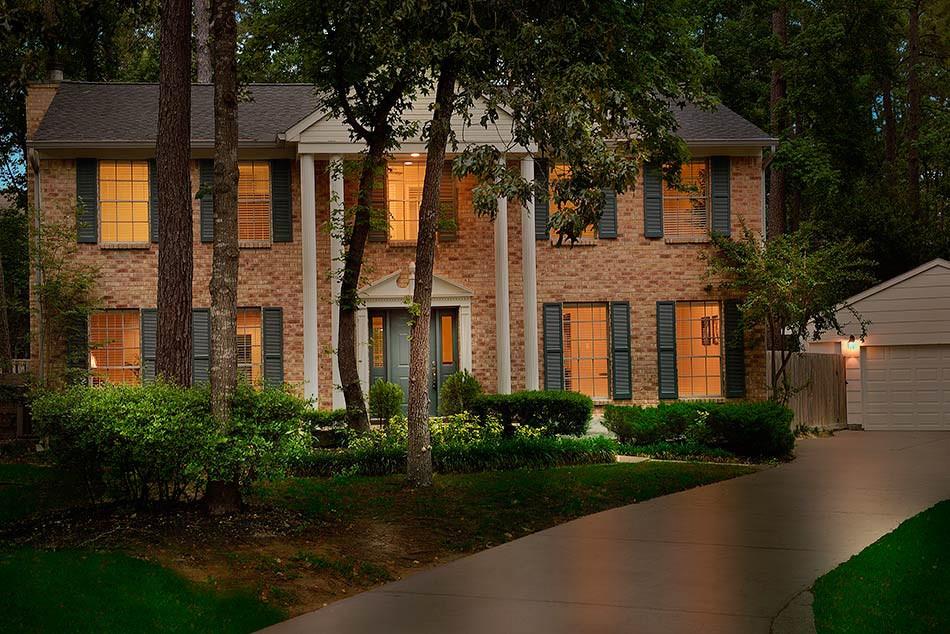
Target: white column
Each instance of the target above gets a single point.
(502, 312)
(336, 265)
(308, 226)
(529, 276)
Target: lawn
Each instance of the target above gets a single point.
(900, 583)
(303, 543)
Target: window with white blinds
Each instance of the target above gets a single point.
(686, 210)
(404, 186)
(254, 201)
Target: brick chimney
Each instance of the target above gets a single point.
(39, 96)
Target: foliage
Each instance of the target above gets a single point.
(686, 450)
(458, 393)
(324, 418)
(894, 584)
(556, 411)
(15, 256)
(159, 442)
(85, 581)
(747, 429)
(385, 400)
(793, 283)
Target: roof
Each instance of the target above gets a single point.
(127, 114)
(88, 114)
(894, 281)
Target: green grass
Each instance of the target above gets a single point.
(900, 583)
(469, 511)
(27, 489)
(81, 591)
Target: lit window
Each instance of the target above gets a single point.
(447, 344)
(559, 172)
(249, 361)
(379, 358)
(254, 213)
(404, 183)
(123, 202)
(686, 211)
(114, 347)
(698, 349)
(586, 349)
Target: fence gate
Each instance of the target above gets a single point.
(822, 399)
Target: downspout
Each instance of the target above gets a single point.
(38, 268)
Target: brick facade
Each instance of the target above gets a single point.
(631, 268)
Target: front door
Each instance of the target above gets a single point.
(389, 349)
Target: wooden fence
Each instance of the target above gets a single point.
(822, 399)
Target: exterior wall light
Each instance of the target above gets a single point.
(853, 344)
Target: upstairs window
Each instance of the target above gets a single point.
(686, 211)
(249, 358)
(586, 349)
(404, 183)
(699, 349)
(123, 202)
(115, 353)
(557, 173)
(254, 201)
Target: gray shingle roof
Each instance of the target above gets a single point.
(128, 113)
(119, 113)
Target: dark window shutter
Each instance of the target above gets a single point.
(448, 206)
(541, 201)
(87, 200)
(153, 201)
(272, 345)
(280, 201)
(652, 202)
(148, 335)
(607, 227)
(206, 184)
(553, 348)
(77, 343)
(666, 349)
(620, 344)
(379, 211)
(200, 345)
(721, 195)
(734, 348)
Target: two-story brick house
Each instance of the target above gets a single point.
(629, 314)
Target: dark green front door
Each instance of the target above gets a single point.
(389, 349)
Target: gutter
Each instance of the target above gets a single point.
(34, 158)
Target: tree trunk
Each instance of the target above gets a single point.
(173, 345)
(223, 496)
(419, 460)
(202, 48)
(890, 124)
(913, 109)
(6, 351)
(775, 223)
(373, 163)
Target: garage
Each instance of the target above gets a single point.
(898, 377)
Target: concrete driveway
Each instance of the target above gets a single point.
(721, 558)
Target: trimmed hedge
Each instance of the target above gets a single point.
(747, 429)
(558, 412)
(490, 455)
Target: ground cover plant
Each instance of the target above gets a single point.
(900, 583)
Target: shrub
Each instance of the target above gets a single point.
(327, 426)
(557, 411)
(485, 455)
(385, 400)
(160, 442)
(751, 430)
(458, 393)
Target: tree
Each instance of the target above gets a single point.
(223, 494)
(176, 252)
(792, 284)
(776, 221)
(202, 48)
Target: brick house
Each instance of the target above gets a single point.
(629, 314)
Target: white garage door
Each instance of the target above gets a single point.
(906, 387)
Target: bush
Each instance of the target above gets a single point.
(555, 411)
(160, 442)
(750, 430)
(385, 400)
(458, 393)
(498, 454)
(327, 426)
